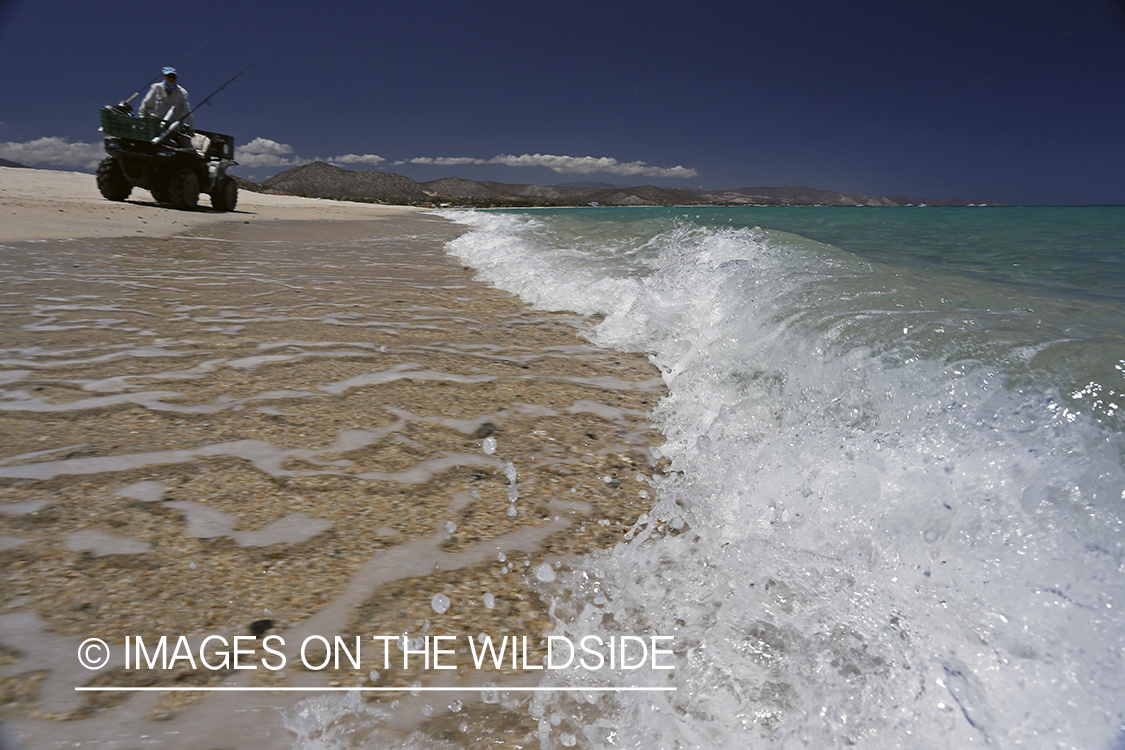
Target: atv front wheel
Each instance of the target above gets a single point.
(225, 196)
(183, 190)
(112, 183)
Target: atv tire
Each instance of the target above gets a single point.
(160, 194)
(183, 190)
(112, 183)
(225, 196)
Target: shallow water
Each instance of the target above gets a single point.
(204, 432)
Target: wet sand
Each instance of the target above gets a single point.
(281, 422)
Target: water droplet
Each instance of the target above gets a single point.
(440, 603)
(489, 601)
(489, 446)
(545, 573)
(450, 527)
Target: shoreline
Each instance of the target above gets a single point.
(285, 420)
(41, 204)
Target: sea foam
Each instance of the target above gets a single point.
(884, 523)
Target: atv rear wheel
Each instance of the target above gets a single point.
(225, 196)
(183, 189)
(160, 194)
(112, 182)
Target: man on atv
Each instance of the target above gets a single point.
(169, 101)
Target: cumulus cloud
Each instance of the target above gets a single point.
(591, 165)
(443, 161)
(266, 146)
(262, 152)
(53, 152)
(267, 153)
(565, 164)
(356, 159)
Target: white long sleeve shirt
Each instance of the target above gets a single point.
(170, 105)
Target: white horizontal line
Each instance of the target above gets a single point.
(400, 689)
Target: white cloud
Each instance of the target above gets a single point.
(443, 161)
(356, 159)
(565, 164)
(266, 153)
(266, 146)
(53, 152)
(262, 152)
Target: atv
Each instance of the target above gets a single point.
(146, 152)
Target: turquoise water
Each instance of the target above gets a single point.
(1060, 248)
(894, 512)
(1076, 249)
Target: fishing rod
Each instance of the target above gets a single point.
(229, 82)
(127, 102)
(175, 125)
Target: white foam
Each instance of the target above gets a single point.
(876, 534)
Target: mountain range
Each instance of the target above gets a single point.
(321, 180)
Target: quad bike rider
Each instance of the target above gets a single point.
(163, 154)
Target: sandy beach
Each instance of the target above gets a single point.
(301, 418)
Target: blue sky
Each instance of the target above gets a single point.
(1017, 101)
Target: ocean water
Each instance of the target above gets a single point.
(893, 506)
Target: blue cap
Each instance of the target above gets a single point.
(168, 71)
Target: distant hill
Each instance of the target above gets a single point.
(903, 200)
(6, 163)
(807, 196)
(589, 184)
(791, 196)
(244, 184)
(321, 180)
